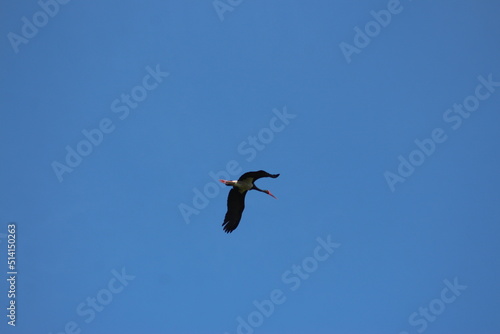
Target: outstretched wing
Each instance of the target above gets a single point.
(254, 176)
(235, 207)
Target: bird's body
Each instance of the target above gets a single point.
(236, 197)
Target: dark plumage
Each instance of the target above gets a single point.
(236, 197)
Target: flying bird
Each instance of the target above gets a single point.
(236, 197)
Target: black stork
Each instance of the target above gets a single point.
(236, 197)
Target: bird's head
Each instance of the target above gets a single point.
(269, 193)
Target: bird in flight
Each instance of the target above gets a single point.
(236, 197)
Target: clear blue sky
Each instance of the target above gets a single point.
(342, 105)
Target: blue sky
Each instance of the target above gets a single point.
(387, 219)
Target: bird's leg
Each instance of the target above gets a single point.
(228, 183)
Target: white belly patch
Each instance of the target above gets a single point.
(244, 185)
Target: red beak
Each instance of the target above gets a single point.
(269, 193)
